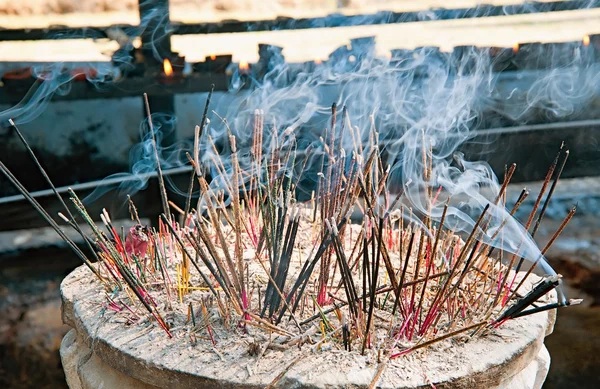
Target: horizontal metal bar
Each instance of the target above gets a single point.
(92, 185)
(563, 130)
(287, 23)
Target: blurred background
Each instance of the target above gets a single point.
(73, 72)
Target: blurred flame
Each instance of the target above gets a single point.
(167, 68)
(586, 40)
(213, 57)
(515, 47)
(318, 61)
(243, 65)
(137, 42)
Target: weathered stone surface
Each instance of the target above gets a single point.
(85, 370)
(510, 357)
(72, 354)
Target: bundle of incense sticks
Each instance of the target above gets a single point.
(263, 259)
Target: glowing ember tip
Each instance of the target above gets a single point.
(167, 68)
(586, 40)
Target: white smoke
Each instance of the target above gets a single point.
(419, 100)
(429, 100)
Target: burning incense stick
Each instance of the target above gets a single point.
(259, 254)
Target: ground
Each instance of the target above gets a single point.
(573, 345)
(31, 330)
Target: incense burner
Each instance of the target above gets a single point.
(104, 353)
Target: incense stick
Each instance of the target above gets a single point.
(260, 253)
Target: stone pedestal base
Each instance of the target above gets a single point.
(85, 370)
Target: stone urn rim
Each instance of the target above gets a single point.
(144, 352)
